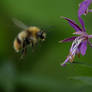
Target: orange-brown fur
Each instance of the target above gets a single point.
(22, 35)
(17, 46)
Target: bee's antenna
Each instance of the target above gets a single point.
(46, 28)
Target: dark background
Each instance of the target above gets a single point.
(40, 71)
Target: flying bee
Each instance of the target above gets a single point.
(29, 36)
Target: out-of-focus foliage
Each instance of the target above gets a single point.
(40, 71)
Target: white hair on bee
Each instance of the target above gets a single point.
(22, 35)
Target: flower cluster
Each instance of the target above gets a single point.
(79, 45)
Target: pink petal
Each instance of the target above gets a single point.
(63, 64)
(90, 44)
(90, 10)
(78, 33)
(68, 39)
(89, 36)
(73, 24)
(82, 23)
(83, 47)
(83, 7)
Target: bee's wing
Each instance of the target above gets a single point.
(19, 23)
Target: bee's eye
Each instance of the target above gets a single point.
(42, 35)
(39, 34)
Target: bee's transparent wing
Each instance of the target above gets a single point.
(19, 23)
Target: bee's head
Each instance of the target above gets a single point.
(41, 35)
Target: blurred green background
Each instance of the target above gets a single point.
(40, 71)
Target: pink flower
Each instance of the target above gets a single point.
(79, 45)
(83, 7)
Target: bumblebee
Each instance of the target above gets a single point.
(30, 36)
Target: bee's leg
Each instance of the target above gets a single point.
(24, 50)
(33, 45)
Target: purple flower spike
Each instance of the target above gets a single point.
(90, 44)
(65, 62)
(68, 39)
(90, 10)
(79, 45)
(73, 24)
(82, 23)
(83, 47)
(83, 7)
